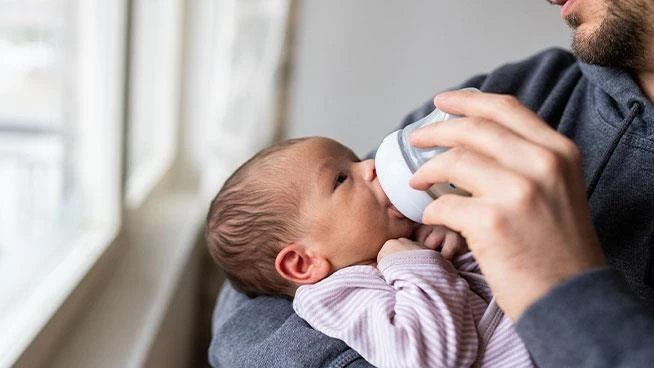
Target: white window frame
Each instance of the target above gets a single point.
(99, 91)
(174, 216)
(213, 83)
(155, 71)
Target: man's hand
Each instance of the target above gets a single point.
(438, 237)
(527, 222)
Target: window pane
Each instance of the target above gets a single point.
(38, 189)
(154, 94)
(33, 49)
(247, 61)
(61, 79)
(35, 181)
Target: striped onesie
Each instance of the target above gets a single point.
(414, 310)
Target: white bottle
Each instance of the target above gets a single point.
(397, 160)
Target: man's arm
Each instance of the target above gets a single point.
(592, 320)
(535, 241)
(534, 229)
(265, 332)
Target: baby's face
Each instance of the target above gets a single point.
(349, 215)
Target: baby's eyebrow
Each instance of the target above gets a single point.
(324, 169)
(326, 164)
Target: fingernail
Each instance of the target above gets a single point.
(413, 136)
(441, 97)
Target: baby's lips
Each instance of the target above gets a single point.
(395, 211)
(388, 204)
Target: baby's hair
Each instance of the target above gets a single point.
(250, 220)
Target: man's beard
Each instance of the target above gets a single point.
(618, 41)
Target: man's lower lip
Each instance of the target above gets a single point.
(565, 8)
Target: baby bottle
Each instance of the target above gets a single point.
(397, 160)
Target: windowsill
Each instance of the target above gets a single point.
(123, 322)
(33, 311)
(116, 325)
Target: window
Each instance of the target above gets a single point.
(62, 87)
(60, 97)
(237, 66)
(155, 55)
(35, 44)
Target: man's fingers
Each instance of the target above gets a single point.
(489, 139)
(452, 211)
(507, 111)
(466, 169)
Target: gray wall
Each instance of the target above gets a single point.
(360, 65)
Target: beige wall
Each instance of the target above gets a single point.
(361, 65)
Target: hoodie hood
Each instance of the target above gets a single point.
(616, 92)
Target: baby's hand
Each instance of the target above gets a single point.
(438, 237)
(397, 245)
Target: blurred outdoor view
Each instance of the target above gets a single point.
(35, 100)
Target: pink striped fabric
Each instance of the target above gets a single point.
(414, 310)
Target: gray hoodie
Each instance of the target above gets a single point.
(601, 318)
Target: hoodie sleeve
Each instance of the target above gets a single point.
(592, 320)
(265, 332)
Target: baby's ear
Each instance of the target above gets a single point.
(300, 266)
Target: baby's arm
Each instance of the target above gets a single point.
(412, 312)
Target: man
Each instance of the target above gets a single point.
(562, 224)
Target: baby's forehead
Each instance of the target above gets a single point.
(321, 147)
(302, 163)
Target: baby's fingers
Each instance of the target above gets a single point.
(435, 239)
(453, 245)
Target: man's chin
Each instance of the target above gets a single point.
(572, 20)
(615, 41)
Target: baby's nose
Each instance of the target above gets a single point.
(368, 168)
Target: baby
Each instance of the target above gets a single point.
(307, 219)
